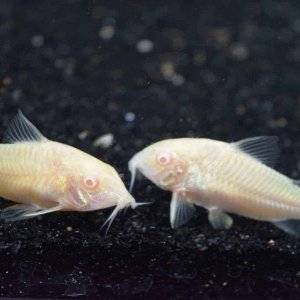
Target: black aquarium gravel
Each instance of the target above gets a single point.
(137, 72)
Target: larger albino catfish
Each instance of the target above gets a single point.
(44, 176)
(223, 178)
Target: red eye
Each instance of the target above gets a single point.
(90, 183)
(163, 158)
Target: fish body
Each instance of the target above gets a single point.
(45, 176)
(223, 178)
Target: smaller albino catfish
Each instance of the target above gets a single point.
(223, 178)
(47, 176)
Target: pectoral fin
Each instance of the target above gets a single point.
(25, 211)
(219, 220)
(181, 211)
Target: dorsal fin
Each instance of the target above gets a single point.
(21, 130)
(263, 148)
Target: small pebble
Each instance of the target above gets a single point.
(167, 69)
(106, 32)
(177, 79)
(169, 74)
(129, 116)
(104, 141)
(83, 135)
(271, 242)
(144, 46)
(37, 41)
(239, 51)
(69, 228)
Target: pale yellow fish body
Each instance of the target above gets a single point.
(45, 176)
(221, 177)
(42, 173)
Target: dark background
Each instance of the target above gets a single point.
(218, 69)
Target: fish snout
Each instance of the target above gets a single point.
(126, 201)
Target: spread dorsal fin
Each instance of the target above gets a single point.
(21, 130)
(263, 148)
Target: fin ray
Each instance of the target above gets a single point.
(181, 211)
(24, 211)
(22, 130)
(263, 148)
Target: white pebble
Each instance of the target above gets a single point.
(37, 41)
(83, 135)
(144, 46)
(104, 141)
(177, 79)
(107, 32)
(129, 116)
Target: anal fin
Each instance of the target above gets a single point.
(219, 220)
(291, 227)
(24, 211)
(181, 211)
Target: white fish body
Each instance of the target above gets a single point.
(223, 178)
(46, 176)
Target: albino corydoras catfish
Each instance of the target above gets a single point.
(223, 178)
(47, 176)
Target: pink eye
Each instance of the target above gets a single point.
(90, 183)
(164, 158)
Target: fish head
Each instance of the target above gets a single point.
(162, 163)
(96, 186)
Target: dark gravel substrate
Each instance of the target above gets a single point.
(144, 71)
